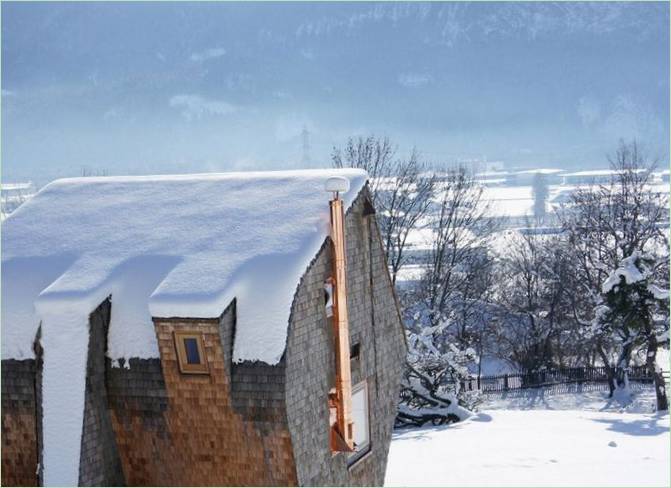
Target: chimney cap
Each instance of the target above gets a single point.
(337, 184)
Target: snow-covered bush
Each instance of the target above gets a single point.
(431, 388)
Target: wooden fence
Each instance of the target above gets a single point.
(554, 378)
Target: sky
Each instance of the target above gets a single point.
(143, 88)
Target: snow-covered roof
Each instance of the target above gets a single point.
(599, 172)
(165, 246)
(490, 174)
(542, 171)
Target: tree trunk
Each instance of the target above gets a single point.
(623, 365)
(658, 378)
(610, 372)
(660, 392)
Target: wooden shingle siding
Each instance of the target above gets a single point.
(375, 325)
(19, 428)
(138, 400)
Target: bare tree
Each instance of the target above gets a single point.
(373, 154)
(458, 249)
(533, 287)
(401, 191)
(404, 201)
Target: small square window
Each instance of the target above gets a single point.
(190, 353)
(191, 347)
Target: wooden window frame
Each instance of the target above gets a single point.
(184, 366)
(360, 454)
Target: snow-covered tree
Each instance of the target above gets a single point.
(634, 311)
(431, 386)
(608, 226)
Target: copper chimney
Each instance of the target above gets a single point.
(342, 431)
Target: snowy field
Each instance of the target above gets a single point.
(538, 442)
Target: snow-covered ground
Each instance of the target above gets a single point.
(561, 440)
(586, 397)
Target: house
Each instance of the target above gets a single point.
(221, 329)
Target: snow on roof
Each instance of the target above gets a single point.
(166, 246)
(489, 174)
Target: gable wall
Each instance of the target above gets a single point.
(375, 324)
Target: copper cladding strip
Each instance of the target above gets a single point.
(343, 373)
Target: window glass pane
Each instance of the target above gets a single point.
(360, 416)
(191, 348)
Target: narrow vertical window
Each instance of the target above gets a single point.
(328, 298)
(190, 353)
